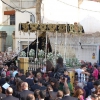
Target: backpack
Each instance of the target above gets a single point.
(60, 71)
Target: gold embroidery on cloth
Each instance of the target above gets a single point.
(52, 27)
(33, 27)
(71, 28)
(80, 29)
(61, 28)
(43, 27)
(76, 28)
(25, 27)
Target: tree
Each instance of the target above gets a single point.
(38, 11)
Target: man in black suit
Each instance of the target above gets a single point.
(3, 78)
(25, 92)
(50, 94)
(29, 79)
(21, 75)
(38, 84)
(67, 96)
(9, 93)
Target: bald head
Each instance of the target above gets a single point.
(59, 94)
(24, 86)
(9, 91)
(30, 97)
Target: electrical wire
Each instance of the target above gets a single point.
(13, 3)
(19, 9)
(22, 7)
(77, 7)
(5, 20)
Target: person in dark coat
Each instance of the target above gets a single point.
(38, 85)
(50, 94)
(21, 75)
(3, 81)
(18, 89)
(60, 68)
(67, 96)
(9, 93)
(3, 78)
(29, 79)
(25, 92)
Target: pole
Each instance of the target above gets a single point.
(79, 48)
(65, 46)
(56, 45)
(28, 42)
(46, 46)
(36, 45)
(19, 36)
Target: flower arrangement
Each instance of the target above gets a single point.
(41, 54)
(23, 54)
(50, 56)
(72, 62)
(32, 53)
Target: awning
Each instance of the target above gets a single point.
(10, 12)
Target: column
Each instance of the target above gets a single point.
(3, 36)
(13, 36)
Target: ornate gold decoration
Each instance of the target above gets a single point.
(52, 27)
(25, 27)
(71, 28)
(33, 27)
(43, 27)
(80, 29)
(61, 28)
(76, 28)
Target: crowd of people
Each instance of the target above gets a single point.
(53, 84)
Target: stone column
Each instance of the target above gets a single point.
(3, 36)
(13, 36)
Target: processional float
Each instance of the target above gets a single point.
(42, 40)
(51, 28)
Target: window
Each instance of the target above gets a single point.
(12, 19)
(32, 18)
